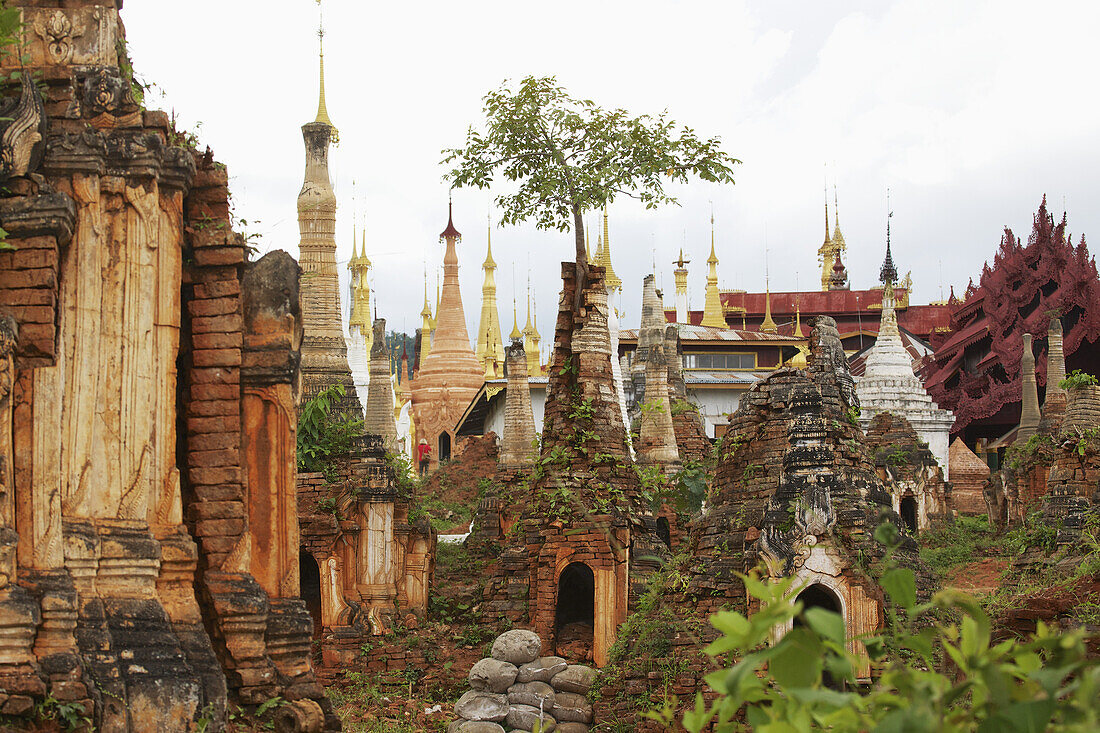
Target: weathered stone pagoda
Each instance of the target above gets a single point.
(324, 351)
(450, 375)
(148, 379)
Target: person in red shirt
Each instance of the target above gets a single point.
(423, 454)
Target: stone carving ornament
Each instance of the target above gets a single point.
(22, 131)
(58, 32)
(104, 91)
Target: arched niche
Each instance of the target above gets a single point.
(576, 596)
(444, 446)
(909, 513)
(818, 596)
(664, 531)
(309, 576)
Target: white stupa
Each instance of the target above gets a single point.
(889, 384)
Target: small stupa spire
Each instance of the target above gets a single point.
(798, 321)
(713, 317)
(838, 238)
(322, 111)
(768, 325)
(516, 333)
(611, 280)
(888, 274)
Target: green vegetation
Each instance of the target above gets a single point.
(807, 680)
(945, 547)
(1068, 568)
(1078, 378)
(1038, 450)
(563, 156)
(323, 436)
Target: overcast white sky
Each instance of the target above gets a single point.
(968, 111)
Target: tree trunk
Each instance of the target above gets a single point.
(582, 260)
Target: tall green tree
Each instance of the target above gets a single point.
(565, 156)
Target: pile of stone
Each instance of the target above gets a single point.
(515, 691)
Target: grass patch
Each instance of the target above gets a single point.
(948, 547)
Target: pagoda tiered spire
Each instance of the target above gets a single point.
(611, 280)
(490, 345)
(712, 307)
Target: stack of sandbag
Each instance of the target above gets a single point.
(517, 691)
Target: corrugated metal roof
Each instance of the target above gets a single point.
(709, 333)
(695, 378)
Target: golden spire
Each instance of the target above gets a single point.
(768, 325)
(611, 280)
(531, 339)
(713, 316)
(426, 324)
(322, 111)
(490, 346)
(516, 333)
(826, 253)
(798, 321)
(838, 238)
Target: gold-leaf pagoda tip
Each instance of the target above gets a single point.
(322, 110)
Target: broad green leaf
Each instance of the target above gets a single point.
(797, 659)
(901, 585)
(829, 624)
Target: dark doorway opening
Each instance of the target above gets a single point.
(909, 513)
(309, 579)
(444, 446)
(818, 596)
(664, 531)
(575, 615)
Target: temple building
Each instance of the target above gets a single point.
(450, 373)
(324, 351)
(977, 367)
(855, 311)
(889, 385)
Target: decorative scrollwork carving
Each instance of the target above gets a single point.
(23, 125)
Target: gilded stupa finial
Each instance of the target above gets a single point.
(768, 325)
(838, 238)
(713, 313)
(489, 263)
(888, 273)
(322, 110)
(611, 280)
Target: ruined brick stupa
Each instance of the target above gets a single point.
(797, 490)
(583, 540)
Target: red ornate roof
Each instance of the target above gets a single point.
(976, 367)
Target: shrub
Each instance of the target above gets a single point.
(1044, 682)
(1077, 378)
(322, 436)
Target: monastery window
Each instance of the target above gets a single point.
(720, 361)
(576, 596)
(309, 578)
(909, 513)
